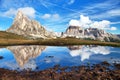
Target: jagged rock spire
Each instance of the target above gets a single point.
(22, 25)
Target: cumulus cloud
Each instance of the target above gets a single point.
(74, 23)
(51, 16)
(29, 11)
(86, 23)
(86, 51)
(113, 28)
(83, 22)
(56, 16)
(11, 12)
(104, 24)
(46, 16)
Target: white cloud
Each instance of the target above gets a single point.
(108, 14)
(71, 2)
(104, 24)
(56, 16)
(11, 12)
(46, 16)
(115, 12)
(29, 11)
(113, 28)
(74, 23)
(118, 22)
(84, 19)
(85, 22)
(51, 16)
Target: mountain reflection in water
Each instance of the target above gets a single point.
(37, 57)
(23, 54)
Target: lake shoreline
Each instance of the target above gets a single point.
(56, 42)
(97, 72)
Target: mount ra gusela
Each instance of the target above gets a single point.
(22, 25)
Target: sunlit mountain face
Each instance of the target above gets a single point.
(36, 57)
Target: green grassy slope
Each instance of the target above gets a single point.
(7, 35)
(7, 39)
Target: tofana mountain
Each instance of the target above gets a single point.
(22, 25)
(89, 33)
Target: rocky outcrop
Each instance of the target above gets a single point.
(24, 53)
(99, 34)
(89, 33)
(22, 25)
(74, 31)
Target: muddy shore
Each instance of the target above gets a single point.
(102, 71)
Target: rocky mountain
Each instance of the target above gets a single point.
(89, 33)
(22, 25)
(74, 31)
(23, 54)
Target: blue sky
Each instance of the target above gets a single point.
(57, 15)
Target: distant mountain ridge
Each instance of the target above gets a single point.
(22, 25)
(89, 33)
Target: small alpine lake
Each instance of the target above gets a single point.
(36, 57)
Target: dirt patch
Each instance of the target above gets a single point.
(95, 72)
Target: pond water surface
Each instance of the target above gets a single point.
(38, 57)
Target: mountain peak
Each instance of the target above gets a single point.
(20, 15)
(89, 33)
(22, 25)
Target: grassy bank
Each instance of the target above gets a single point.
(7, 35)
(9, 39)
(55, 42)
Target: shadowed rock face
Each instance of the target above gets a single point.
(22, 25)
(92, 33)
(24, 53)
(74, 31)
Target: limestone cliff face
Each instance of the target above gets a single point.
(92, 33)
(74, 31)
(24, 53)
(22, 25)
